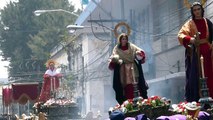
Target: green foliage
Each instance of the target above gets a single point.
(31, 37)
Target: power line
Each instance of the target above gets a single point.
(94, 50)
(83, 67)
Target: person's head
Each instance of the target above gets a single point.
(123, 39)
(50, 64)
(197, 10)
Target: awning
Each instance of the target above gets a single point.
(22, 92)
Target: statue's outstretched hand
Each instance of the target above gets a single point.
(140, 55)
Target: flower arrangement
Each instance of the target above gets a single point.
(155, 101)
(190, 109)
(54, 102)
(153, 106)
(179, 108)
(182, 107)
(59, 103)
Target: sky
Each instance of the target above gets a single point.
(3, 64)
(77, 3)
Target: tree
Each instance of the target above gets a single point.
(30, 37)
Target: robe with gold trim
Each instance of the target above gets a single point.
(51, 83)
(193, 53)
(123, 74)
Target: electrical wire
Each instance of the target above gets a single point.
(84, 67)
(94, 32)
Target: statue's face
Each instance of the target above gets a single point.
(52, 66)
(197, 11)
(124, 40)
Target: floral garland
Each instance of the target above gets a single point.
(54, 102)
(150, 103)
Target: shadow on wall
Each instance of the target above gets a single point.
(171, 86)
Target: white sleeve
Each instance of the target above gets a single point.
(48, 72)
(58, 71)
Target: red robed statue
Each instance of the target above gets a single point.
(51, 82)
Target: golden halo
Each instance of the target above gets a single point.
(188, 5)
(122, 24)
(51, 61)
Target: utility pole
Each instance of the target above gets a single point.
(122, 9)
(83, 86)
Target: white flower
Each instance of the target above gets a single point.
(194, 103)
(174, 106)
(126, 102)
(140, 98)
(123, 109)
(139, 103)
(122, 105)
(152, 96)
(179, 110)
(144, 101)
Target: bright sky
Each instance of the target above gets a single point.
(3, 69)
(76, 3)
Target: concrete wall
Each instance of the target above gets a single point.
(170, 86)
(95, 53)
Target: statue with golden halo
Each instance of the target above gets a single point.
(196, 36)
(51, 81)
(125, 61)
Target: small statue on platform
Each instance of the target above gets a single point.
(51, 82)
(192, 110)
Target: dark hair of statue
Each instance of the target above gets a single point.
(196, 4)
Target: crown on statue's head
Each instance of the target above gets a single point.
(189, 5)
(50, 62)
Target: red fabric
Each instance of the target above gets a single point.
(111, 65)
(201, 27)
(129, 91)
(206, 52)
(46, 88)
(7, 95)
(186, 41)
(24, 92)
(142, 54)
(124, 47)
(45, 76)
(208, 71)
